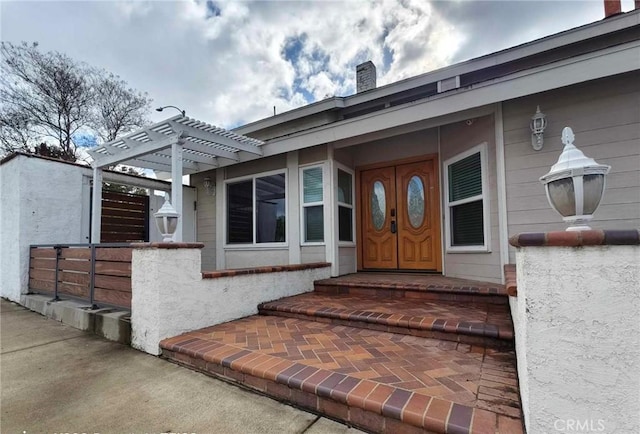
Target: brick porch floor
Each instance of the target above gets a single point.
(378, 380)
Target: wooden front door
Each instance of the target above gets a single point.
(400, 217)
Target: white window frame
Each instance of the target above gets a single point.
(486, 212)
(255, 245)
(351, 172)
(304, 205)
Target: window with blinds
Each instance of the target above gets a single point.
(312, 205)
(345, 206)
(466, 200)
(256, 210)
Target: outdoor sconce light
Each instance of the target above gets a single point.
(575, 184)
(167, 221)
(209, 186)
(538, 125)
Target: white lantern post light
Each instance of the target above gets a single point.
(167, 220)
(575, 184)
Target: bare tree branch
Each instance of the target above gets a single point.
(49, 96)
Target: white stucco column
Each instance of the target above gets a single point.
(176, 186)
(96, 208)
(577, 330)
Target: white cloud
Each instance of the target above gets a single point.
(232, 63)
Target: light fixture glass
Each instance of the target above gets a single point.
(209, 186)
(538, 125)
(167, 221)
(575, 185)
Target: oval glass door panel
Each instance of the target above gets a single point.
(378, 205)
(415, 201)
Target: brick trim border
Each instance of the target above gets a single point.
(167, 245)
(510, 280)
(261, 270)
(629, 237)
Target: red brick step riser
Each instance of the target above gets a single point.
(442, 294)
(487, 341)
(360, 418)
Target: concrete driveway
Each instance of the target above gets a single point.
(56, 379)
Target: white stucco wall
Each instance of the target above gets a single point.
(40, 203)
(170, 297)
(48, 202)
(578, 338)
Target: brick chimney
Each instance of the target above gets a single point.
(637, 4)
(365, 76)
(613, 7)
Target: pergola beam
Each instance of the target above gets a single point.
(204, 162)
(137, 151)
(217, 138)
(209, 149)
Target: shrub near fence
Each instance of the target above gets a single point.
(105, 279)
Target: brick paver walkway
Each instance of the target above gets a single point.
(363, 357)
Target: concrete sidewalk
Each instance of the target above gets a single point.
(54, 378)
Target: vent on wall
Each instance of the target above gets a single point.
(449, 84)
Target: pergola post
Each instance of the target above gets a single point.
(176, 186)
(96, 206)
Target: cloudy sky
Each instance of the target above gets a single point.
(229, 62)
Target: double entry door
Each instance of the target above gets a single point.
(400, 216)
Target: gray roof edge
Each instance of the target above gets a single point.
(595, 29)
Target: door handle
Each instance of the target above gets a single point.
(393, 227)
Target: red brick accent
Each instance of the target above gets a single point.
(261, 270)
(577, 238)
(510, 280)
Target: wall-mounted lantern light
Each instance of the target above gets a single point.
(209, 186)
(575, 184)
(167, 221)
(538, 125)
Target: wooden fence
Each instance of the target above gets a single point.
(125, 217)
(100, 274)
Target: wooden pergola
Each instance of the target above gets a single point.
(179, 145)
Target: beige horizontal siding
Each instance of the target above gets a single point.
(310, 254)
(455, 139)
(605, 118)
(256, 258)
(206, 220)
(346, 260)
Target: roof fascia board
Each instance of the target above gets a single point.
(615, 60)
(301, 112)
(416, 126)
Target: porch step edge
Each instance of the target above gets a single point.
(372, 406)
(429, 327)
(417, 293)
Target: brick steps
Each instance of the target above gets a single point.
(414, 287)
(385, 353)
(378, 381)
(476, 324)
